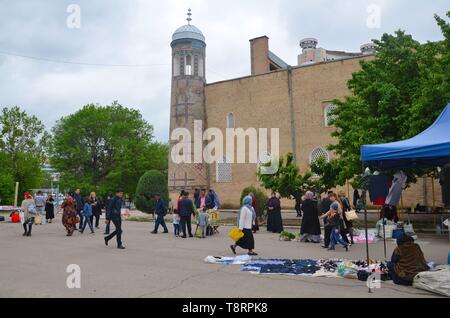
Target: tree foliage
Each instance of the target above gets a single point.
(100, 148)
(149, 184)
(394, 97)
(260, 196)
(23, 145)
(287, 181)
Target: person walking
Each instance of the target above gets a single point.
(274, 219)
(356, 198)
(49, 209)
(79, 207)
(29, 210)
(310, 229)
(347, 227)
(160, 211)
(69, 218)
(324, 208)
(96, 209)
(88, 214)
(39, 201)
(115, 207)
(334, 220)
(245, 222)
(186, 213)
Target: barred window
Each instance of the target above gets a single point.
(318, 153)
(224, 173)
(327, 114)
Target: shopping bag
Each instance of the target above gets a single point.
(351, 215)
(236, 234)
(15, 218)
(22, 217)
(37, 220)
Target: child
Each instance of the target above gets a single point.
(87, 213)
(176, 222)
(334, 221)
(203, 222)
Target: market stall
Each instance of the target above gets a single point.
(429, 149)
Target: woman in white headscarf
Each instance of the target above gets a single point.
(246, 220)
(310, 230)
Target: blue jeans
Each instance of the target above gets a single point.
(176, 229)
(82, 220)
(160, 221)
(336, 238)
(87, 221)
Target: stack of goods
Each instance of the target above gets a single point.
(236, 260)
(316, 268)
(282, 266)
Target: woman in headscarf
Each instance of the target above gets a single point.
(310, 229)
(406, 262)
(29, 210)
(274, 220)
(49, 209)
(69, 218)
(246, 220)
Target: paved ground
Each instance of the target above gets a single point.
(164, 266)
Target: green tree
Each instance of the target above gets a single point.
(260, 196)
(287, 181)
(100, 148)
(327, 173)
(150, 183)
(394, 97)
(23, 146)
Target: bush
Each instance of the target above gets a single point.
(261, 199)
(151, 182)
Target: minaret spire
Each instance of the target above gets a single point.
(189, 19)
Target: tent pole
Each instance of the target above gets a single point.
(364, 204)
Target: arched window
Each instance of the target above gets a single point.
(224, 173)
(327, 114)
(230, 120)
(188, 67)
(318, 153)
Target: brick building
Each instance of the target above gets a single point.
(295, 99)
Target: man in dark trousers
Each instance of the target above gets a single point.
(115, 207)
(80, 204)
(324, 208)
(186, 211)
(160, 211)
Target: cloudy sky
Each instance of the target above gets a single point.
(121, 51)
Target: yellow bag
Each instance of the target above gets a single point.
(236, 234)
(37, 220)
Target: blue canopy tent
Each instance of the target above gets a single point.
(431, 148)
(428, 149)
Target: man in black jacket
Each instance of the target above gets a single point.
(114, 209)
(324, 208)
(160, 211)
(186, 210)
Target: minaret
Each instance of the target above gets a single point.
(187, 103)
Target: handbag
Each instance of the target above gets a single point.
(22, 217)
(236, 234)
(351, 215)
(37, 220)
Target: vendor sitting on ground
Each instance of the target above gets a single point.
(407, 261)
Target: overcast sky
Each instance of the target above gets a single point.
(138, 33)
